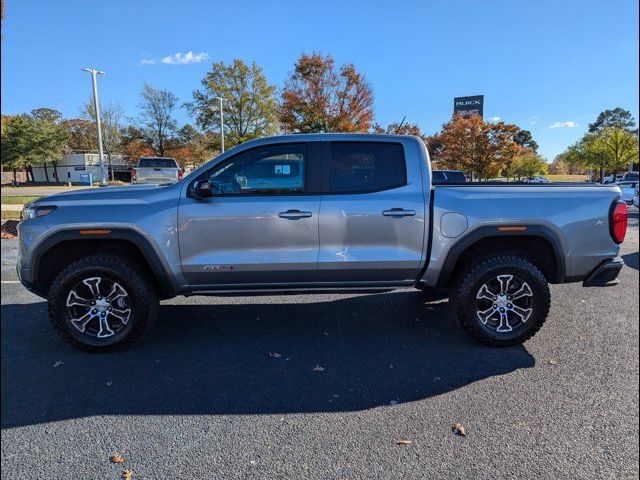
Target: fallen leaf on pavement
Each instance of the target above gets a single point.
(458, 429)
(127, 474)
(318, 368)
(403, 442)
(552, 362)
(116, 458)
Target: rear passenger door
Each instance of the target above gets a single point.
(372, 213)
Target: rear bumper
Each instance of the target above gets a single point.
(605, 274)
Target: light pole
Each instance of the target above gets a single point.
(96, 104)
(220, 99)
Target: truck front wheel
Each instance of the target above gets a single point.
(102, 303)
(503, 301)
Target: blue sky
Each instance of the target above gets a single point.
(540, 64)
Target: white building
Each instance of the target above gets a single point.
(71, 166)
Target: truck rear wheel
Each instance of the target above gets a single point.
(102, 303)
(503, 301)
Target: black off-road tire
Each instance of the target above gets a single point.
(140, 289)
(468, 284)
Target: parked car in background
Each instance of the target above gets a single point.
(448, 176)
(156, 170)
(630, 177)
(635, 198)
(613, 178)
(538, 180)
(366, 216)
(628, 190)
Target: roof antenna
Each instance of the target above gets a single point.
(400, 126)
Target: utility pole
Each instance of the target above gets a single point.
(221, 124)
(96, 104)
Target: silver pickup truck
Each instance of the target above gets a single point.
(156, 170)
(317, 212)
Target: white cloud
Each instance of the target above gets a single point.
(177, 58)
(180, 58)
(563, 125)
(495, 119)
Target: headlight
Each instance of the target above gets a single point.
(33, 212)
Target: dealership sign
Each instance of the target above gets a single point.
(466, 106)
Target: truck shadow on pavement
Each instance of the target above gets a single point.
(342, 354)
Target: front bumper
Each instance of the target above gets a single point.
(605, 274)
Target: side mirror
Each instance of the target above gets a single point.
(202, 189)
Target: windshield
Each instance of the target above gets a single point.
(157, 162)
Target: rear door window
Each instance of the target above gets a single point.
(358, 167)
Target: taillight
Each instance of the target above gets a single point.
(179, 174)
(618, 221)
(134, 175)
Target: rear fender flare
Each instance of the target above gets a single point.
(458, 249)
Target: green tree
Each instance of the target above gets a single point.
(527, 164)
(611, 149)
(49, 139)
(156, 123)
(16, 145)
(618, 117)
(525, 140)
(249, 102)
(618, 147)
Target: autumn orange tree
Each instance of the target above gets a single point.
(319, 98)
(399, 129)
(472, 145)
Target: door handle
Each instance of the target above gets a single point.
(294, 214)
(398, 212)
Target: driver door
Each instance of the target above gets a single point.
(259, 227)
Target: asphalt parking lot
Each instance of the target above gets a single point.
(322, 386)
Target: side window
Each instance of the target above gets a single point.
(366, 166)
(438, 176)
(269, 170)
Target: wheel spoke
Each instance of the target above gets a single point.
(81, 323)
(523, 291)
(105, 329)
(485, 293)
(504, 323)
(523, 313)
(505, 282)
(94, 285)
(485, 315)
(116, 292)
(122, 315)
(75, 299)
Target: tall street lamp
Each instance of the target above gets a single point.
(220, 99)
(96, 104)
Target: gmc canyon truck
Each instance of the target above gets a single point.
(318, 212)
